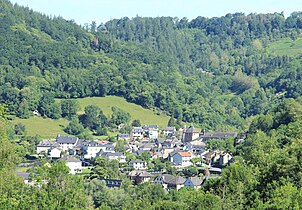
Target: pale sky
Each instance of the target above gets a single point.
(86, 11)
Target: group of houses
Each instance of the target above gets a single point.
(169, 144)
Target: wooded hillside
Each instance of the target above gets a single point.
(215, 72)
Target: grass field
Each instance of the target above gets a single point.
(48, 128)
(146, 116)
(45, 127)
(286, 46)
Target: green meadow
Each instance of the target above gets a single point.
(286, 46)
(48, 128)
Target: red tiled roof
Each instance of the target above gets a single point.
(184, 154)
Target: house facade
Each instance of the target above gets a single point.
(137, 133)
(181, 159)
(152, 131)
(139, 176)
(194, 182)
(46, 145)
(55, 152)
(169, 131)
(169, 181)
(67, 142)
(138, 164)
(74, 164)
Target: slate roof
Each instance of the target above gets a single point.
(196, 181)
(136, 161)
(217, 135)
(139, 174)
(169, 129)
(147, 145)
(93, 144)
(67, 139)
(47, 143)
(137, 130)
(123, 135)
(152, 127)
(70, 159)
(173, 180)
(139, 152)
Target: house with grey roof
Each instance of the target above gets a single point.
(194, 182)
(46, 145)
(137, 133)
(151, 131)
(204, 136)
(67, 142)
(169, 181)
(119, 156)
(138, 164)
(169, 131)
(139, 176)
(146, 146)
(123, 136)
(198, 148)
(92, 149)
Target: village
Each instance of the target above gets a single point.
(182, 149)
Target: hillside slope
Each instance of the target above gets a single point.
(181, 67)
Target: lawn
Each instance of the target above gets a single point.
(146, 116)
(45, 127)
(286, 46)
(48, 128)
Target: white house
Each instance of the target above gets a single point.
(46, 145)
(169, 181)
(137, 133)
(75, 165)
(138, 164)
(119, 156)
(67, 142)
(55, 152)
(93, 148)
(181, 159)
(152, 131)
(169, 131)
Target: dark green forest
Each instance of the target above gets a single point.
(214, 72)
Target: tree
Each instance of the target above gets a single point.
(54, 111)
(62, 190)
(136, 123)
(119, 116)
(23, 110)
(91, 118)
(19, 129)
(74, 127)
(69, 108)
(171, 122)
(45, 103)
